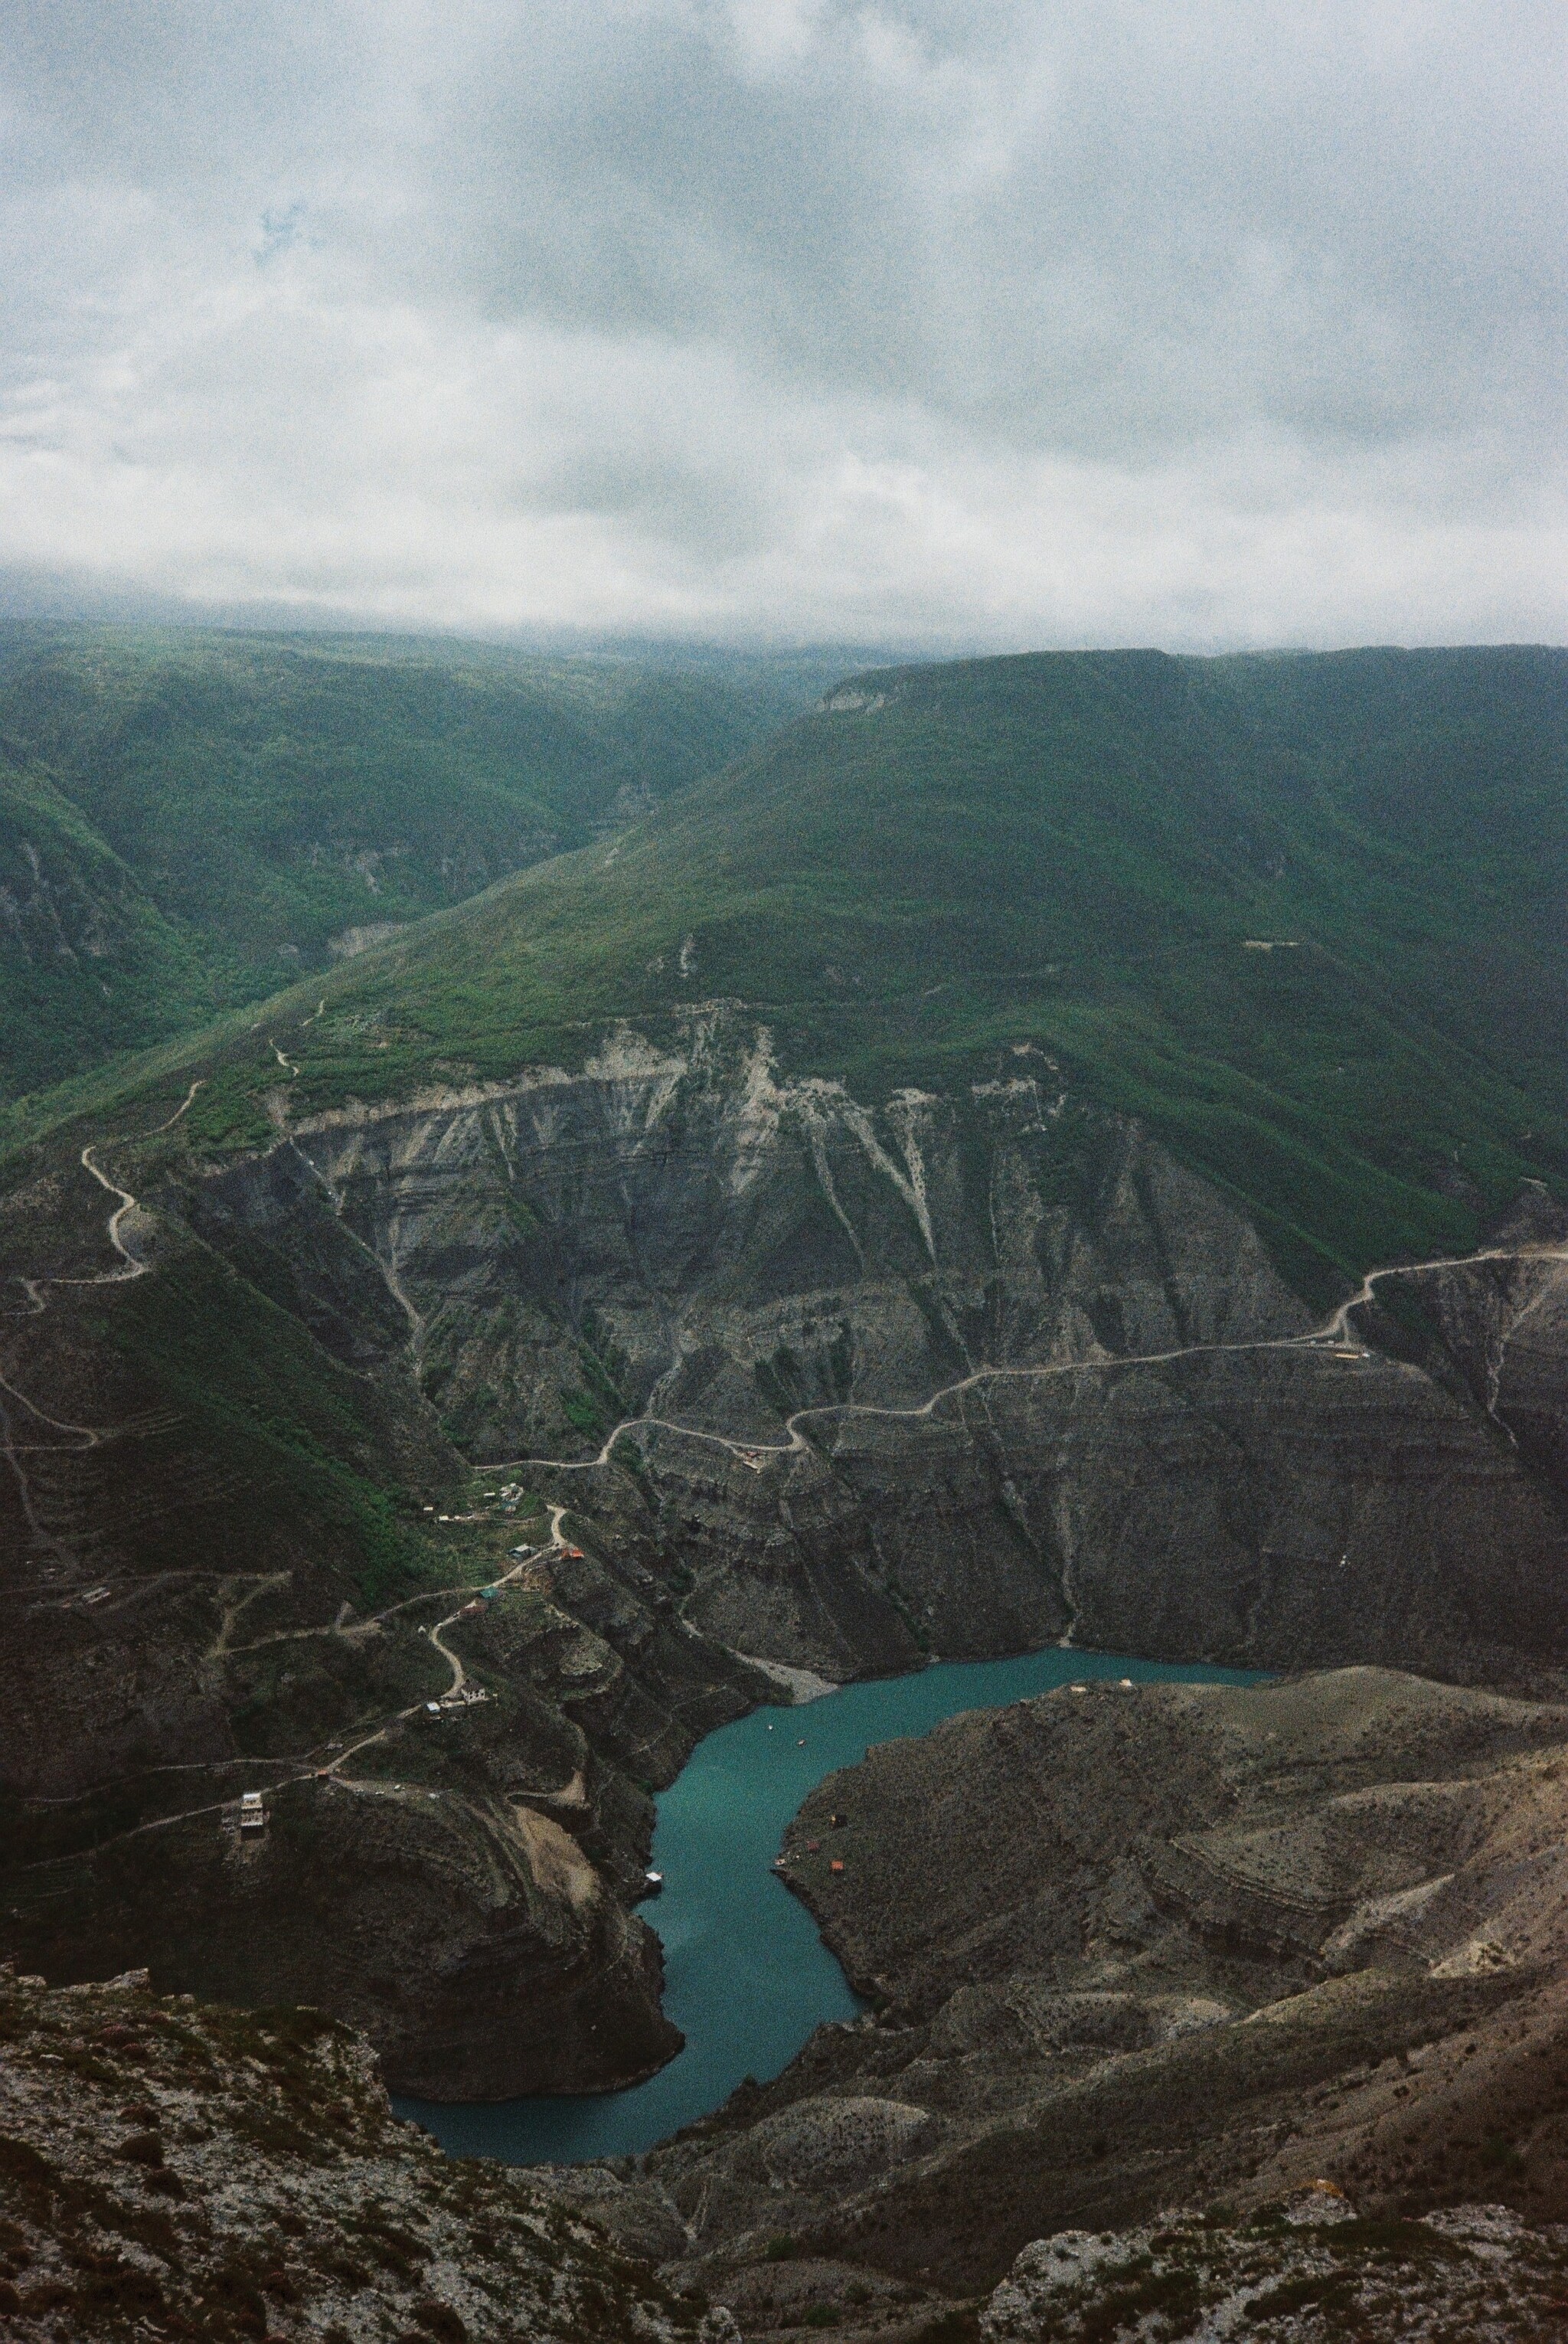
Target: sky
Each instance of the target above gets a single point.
(958, 323)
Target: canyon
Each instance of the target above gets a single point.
(1043, 1152)
(807, 1382)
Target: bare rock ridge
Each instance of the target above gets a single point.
(1310, 2266)
(781, 1372)
(1139, 1951)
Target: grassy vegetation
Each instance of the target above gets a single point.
(187, 820)
(304, 1442)
(1076, 853)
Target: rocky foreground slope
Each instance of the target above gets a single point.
(174, 2169)
(1132, 1949)
(1304, 2269)
(181, 2170)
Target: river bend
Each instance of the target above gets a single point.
(746, 1976)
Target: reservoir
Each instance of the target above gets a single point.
(746, 1976)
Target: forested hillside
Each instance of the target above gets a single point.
(188, 821)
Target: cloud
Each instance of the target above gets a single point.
(953, 319)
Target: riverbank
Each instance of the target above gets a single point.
(747, 1975)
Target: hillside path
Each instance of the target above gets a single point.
(1335, 1331)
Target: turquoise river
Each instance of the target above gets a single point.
(746, 1976)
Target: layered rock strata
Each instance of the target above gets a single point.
(831, 1384)
(964, 1374)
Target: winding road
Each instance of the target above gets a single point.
(308, 1767)
(89, 1436)
(754, 1453)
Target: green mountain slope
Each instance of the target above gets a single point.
(188, 820)
(1083, 852)
(88, 963)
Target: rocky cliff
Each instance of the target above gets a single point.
(224, 1575)
(965, 1373)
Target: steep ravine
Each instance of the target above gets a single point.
(963, 1373)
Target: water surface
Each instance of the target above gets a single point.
(746, 1977)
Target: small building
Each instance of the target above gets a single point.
(252, 1814)
(653, 1884)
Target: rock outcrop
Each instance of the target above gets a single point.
(1304, 2268)
(173, 2168)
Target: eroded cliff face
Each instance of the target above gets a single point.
(963, 1374)
(223, 1573)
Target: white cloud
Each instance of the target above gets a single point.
(941, 318)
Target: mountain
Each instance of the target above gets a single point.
(1303, 916)
(188, 820)
(906, 1193)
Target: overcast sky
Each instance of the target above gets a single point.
(941, 321)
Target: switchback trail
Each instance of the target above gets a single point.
(88, 1436)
